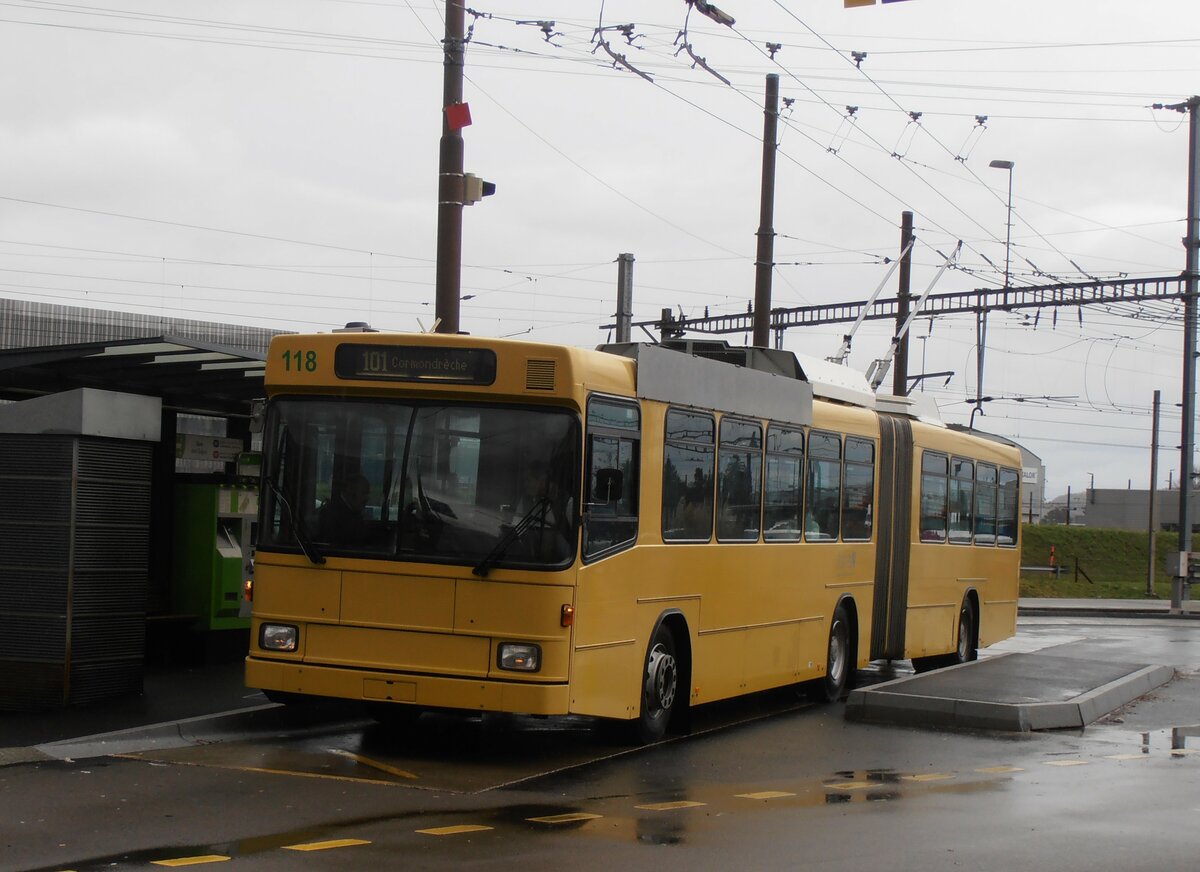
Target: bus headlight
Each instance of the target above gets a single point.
(278, 637)
(519, 658)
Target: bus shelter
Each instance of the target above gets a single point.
(89, 545)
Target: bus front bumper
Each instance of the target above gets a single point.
(425, 691)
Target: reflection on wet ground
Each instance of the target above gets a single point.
(452, 753)
(652, 804)
(1175, 741)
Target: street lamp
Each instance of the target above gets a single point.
(1006, 165)
(981, 315)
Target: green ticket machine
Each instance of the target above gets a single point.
(214, 540)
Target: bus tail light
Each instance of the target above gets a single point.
(248, 590)
(567, 618)
(519, 657)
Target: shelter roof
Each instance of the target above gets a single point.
(189, 376)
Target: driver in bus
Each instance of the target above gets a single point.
(342, 520)
(550, 539)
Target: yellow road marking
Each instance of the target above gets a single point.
(325, 846)
(1179, 752)
(259, 769)
(374, 764)
(999, 770)
(852, 785)
(454, 831)
(670, 806)
(1127, 756)
(929, 776)
(1066, 762)
(192, 861)
(765, 794)
(564, 818)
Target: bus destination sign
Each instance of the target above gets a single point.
(415, 363)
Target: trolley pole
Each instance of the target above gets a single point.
(764, 263)
(1192, 244)
(903, 295)
(450, 178)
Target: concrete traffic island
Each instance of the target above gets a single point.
(1010, 692)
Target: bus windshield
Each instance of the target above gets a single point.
(421, 481)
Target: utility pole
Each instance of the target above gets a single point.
(1191, 243)
(764, 262)
(900, 373)
(1153, 496)
(450, 177)
(624, 297)
(1192, 268)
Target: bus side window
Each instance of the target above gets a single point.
(934, 470)
(1008, 511)
(610, 519)
(739, 485)
(962, 500)
(784, 484)
(858, 490)
(985, 504)
(687, 491)
(823, 510)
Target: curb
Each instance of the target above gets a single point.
(280, 720)
(878, 704)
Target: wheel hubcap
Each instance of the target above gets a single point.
(837, 652)
(660, 680)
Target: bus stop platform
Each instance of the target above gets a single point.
(1015, 692)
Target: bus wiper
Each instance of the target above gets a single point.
(310, 550)
(535, 515)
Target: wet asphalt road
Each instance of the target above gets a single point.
(769, 783)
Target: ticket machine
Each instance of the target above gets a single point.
(214, 539)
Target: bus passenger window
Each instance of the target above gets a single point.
(739, 487)
(934, 468)
(784, 484)
(1009, 508)
(822, 512)
(985, 504)
(962, 500)
(610, 518)
(687, 491)
(858, 489)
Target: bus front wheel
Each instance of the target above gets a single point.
(838, 664)
(660, 684)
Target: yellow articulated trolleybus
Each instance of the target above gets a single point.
(458, 523)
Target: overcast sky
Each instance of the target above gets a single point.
(275, 163)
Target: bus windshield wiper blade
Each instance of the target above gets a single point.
(536, 514)
(310, 550)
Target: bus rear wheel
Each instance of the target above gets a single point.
(966, 648)
(838, 662)
(660, 685)
(968, 634)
